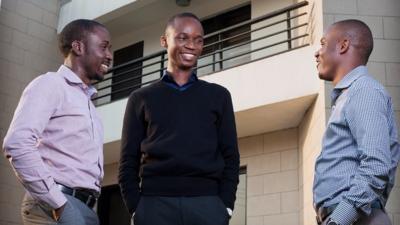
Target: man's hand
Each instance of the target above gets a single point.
(57, 212)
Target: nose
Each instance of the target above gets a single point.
(316, 54)
(190, 43)
(109, 54)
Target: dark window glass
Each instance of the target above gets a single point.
(129, 77)
(225, 20)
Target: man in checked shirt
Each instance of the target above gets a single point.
(355, 171)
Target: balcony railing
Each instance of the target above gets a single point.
(274, 33)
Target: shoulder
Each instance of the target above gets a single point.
(48, 82)
(368, 86)
(142, 92)
(214, 88)
(366, 95)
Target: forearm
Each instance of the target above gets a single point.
(32, 172)
(129, 183)
(35, 109)
(229, 149)
(133, 132)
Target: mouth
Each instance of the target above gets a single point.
(188, 56)
(104, 67)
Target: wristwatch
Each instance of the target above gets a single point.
(331, 222)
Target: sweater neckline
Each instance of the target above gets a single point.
(179, 92)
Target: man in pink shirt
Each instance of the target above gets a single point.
(55, 140)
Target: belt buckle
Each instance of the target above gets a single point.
(90, 198)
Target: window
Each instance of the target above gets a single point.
(128, 78)
(227, 39)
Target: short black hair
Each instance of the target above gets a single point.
(171, 20)
(360, 36)
(75, 30)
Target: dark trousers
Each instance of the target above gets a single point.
(202, 210)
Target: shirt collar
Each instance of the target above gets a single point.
(167, 77)
(347, 80)
(352, 76)
(73, 78)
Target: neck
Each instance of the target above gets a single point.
(343, 71)
(181, 77)
(77, 69)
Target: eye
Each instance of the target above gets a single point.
(103, 47)
(199, 41)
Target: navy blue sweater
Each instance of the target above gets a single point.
(179, 143)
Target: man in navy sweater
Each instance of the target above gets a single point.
(179, 156)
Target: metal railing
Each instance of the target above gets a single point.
(274, 33)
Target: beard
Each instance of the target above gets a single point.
(97, 77)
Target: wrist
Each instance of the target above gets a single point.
(331, 222)
(56, 213)
(344, 214)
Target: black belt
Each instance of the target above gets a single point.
(324, 212)
(87, 196)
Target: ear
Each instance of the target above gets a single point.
(163, 41)
(344, 46)
(77, 47)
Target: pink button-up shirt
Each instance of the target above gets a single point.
(56, 136)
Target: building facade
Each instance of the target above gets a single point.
(261, 50)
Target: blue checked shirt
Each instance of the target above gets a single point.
(360, 149)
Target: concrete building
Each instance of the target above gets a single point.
(266, 61)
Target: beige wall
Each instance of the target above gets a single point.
(312, 127)
(272, 177)
(311, 130)
(27, 49)
(383, 17)
(77, 9)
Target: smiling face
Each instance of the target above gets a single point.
(327, 56)
(184, 43)
(97, 55)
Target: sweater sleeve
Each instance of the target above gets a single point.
(227, 140)
(133, 132)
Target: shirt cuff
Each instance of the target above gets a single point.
(344, 214)
(54, 198)
(230, 212)
(133, 215)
